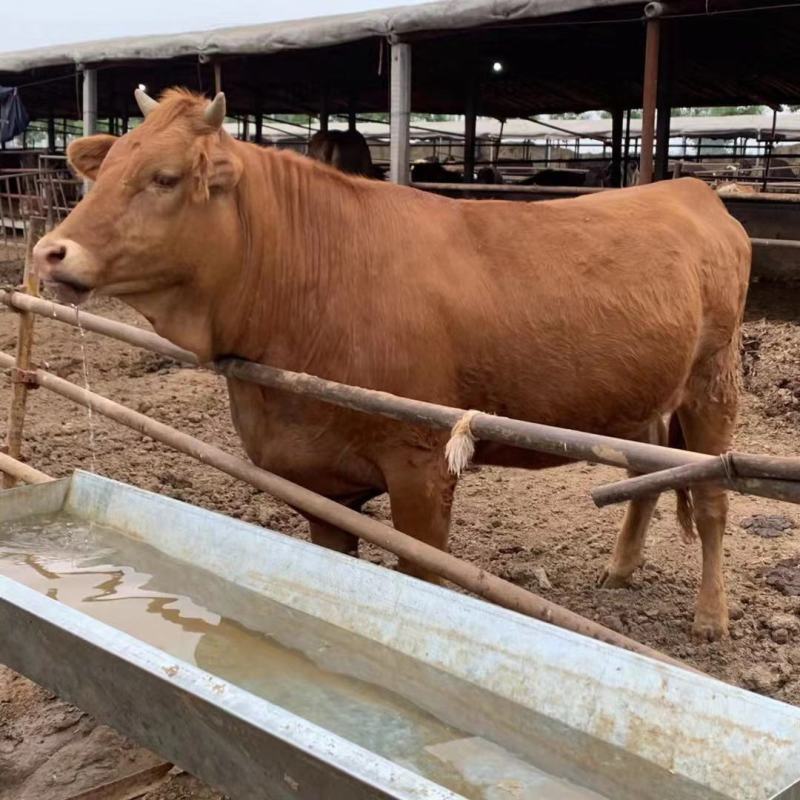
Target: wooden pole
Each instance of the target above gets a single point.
(400, 113)
(20, 471)
(352, 105)
(735, 470)
(657, 482)
(649, 94)
(470, 120)
(663, 102)
(616, 146)
(51, 134)
(770, 145)
(498, 144)
(138, 337)
(89, 102)
(20, 372)
(217, 77)
(467, 576)
(89, 110)
(324, 108)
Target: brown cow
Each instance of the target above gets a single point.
(348, 151)
(600, 313)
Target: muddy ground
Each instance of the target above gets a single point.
(539, 530)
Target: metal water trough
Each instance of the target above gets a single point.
(493, 674)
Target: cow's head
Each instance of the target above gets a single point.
(160, 226)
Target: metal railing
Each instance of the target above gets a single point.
(48, 191)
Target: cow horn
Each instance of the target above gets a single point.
(214, 115)
(145, 102)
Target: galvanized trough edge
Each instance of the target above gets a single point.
(235, 741)
(653, 710)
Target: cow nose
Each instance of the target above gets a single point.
(48, 255)
(54, 254)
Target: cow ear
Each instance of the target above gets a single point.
(224, 173)
(85, 155)
(216, 174)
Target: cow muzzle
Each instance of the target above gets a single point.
(65, 268)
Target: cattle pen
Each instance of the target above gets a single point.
(154, 576)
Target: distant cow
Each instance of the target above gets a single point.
(489, 175)
(781, 168)
(433, 172)
(556, 177)
(346, 150)
(594, 172)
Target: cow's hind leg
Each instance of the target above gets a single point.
(628, 553)
(708, 427)
(421, 495)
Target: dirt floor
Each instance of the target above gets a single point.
(539, 530)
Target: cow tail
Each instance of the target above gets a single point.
(685, 509)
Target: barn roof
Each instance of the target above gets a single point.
(275, 37)
(557, 55)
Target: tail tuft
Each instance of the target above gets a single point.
(686, 515)
(461, 445)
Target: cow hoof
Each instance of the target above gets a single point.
(709, 629)
(611, 580)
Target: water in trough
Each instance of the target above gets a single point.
(328, 676)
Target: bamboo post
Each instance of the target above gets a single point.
(657, 482)
(23, 472)
(20, 375)
(735, 470)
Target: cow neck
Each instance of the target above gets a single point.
(296, 218)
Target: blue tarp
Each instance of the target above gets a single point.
(13, 116)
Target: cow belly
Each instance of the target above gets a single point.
(315, 445)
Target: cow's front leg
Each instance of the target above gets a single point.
(421, 496)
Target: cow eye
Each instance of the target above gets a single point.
(164, 181)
